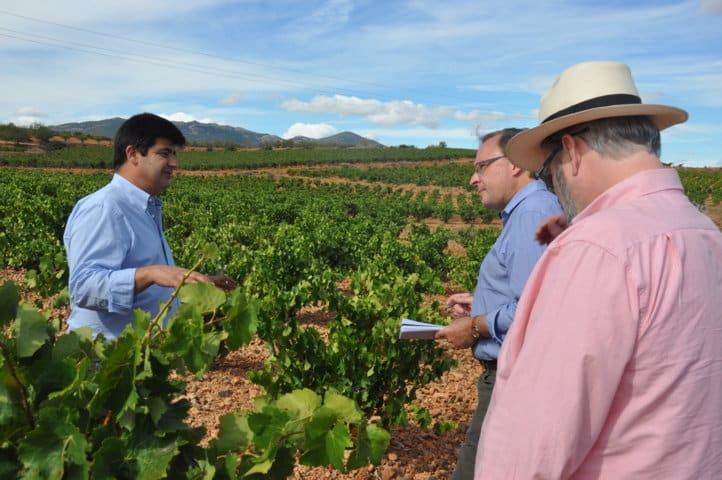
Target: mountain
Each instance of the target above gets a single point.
(206, 133)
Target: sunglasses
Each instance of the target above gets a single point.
(543, 172)
(479, 166)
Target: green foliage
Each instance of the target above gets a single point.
(478, 242)
(74, 407)
(441, 174)
(346, 250)
(702, 185)
(94, 156)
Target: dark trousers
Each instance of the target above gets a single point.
(467, 453)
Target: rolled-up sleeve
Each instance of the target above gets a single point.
(97, 241)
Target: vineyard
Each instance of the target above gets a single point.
(353, 256)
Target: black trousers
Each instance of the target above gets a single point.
(467, 453)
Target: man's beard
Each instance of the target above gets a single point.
(565, 198)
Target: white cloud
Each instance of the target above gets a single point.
(30, 112)
(310, 130)
(428, 135)
(333, 12)
(232, 99)
(396, 112)
(713, 7)
(27, 115)
(185, 117)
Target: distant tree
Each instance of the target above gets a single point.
(41, 132)
(13, 133)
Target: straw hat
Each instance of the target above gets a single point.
(586, 91)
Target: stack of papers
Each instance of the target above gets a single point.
(421, 330)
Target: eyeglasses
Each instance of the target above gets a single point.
(543, 172)
(479, 166)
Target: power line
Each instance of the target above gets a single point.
(233, 74)
(94, 50)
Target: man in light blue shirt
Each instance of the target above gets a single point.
(484, 317)
(118, 257)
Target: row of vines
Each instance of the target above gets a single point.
(69, 401)
(74, 407)
(97, 156)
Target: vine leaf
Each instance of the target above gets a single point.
(9, 298)
(55, 449)
(299, 403)
(234, 433)
(31, 331)
(241, 320)
(204, 295)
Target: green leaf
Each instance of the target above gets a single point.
(55, 449)
(344, 407)
(234, 434)
(109, 461)
(268, 426)
(299, 403)
(187, 340)
(327, 449)
(371, 444)
(9, 465)
(12, 418)
(9, 298)
(31, 329)
(241, 320)
(202, 470)
(210, 251)
(204, 295)
(154, 457)
(115, 379)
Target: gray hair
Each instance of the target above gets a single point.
(615, 137)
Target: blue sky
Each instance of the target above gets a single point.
(415, 72)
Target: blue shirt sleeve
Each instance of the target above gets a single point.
(97, 239)
(521, 253)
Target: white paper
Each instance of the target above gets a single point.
(411, 329)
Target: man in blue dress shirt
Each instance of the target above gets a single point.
(484, 317)
(118, 257)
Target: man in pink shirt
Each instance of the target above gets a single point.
(612, 368)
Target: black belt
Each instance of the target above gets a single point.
(488, 364)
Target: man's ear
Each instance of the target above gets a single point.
(516, 171)
(575, 150)
(131, 154)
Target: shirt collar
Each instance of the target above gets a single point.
(638, 185)
(138, 197)
(527, 190)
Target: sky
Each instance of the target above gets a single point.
(402, 72)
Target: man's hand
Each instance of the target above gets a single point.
(550, 228)
(460, 304)
(458, 333)
(168, 276)
(223, 282)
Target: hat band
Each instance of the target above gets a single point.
(603, 101)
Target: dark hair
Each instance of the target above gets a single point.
(615, 137)
(506, 135)
(142, 131)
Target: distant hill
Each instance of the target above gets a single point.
(208, 133)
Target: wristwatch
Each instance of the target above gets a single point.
(475, 332)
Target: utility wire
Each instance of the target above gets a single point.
(219, 57)
(94, 50)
